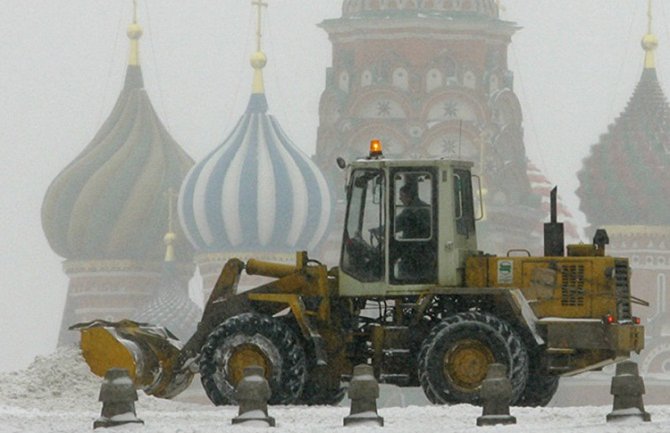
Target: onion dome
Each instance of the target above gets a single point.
(110, 202)
(173, 308)
(541, 187)
(256, 191)
(626, 178)
(385, 8)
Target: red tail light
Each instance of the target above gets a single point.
(609, 319)
(636, 320)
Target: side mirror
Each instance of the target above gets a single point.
(341, 162)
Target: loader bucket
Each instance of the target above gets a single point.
(149, 353)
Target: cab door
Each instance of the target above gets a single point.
(413, 226)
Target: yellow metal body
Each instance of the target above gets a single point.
(149, 353)
(566, 287)
(570, 296)
(293, 284)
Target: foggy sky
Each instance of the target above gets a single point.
(575, 65)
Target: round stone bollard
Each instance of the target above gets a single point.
(496, 395)
(627, 389)
(118, 397)
(252, 394)
(363, 392)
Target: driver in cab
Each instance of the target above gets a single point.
(412, 224)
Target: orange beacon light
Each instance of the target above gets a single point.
(375, 148)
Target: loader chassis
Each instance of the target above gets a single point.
(413, 297)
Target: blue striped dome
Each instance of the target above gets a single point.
(255, 192)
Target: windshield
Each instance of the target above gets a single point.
(362, 250)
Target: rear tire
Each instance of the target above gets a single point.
(318, 390)
(539, 391)
(455, 356)
(540, 387)
(248, 339)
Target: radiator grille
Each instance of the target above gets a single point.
(572, 290)
(622, 290)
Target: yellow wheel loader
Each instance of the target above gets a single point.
(412, 296)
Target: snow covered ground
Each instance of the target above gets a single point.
(57, 393)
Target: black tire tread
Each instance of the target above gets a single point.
(540, 387)
(516, 355)
(316, 395)
(286, 387)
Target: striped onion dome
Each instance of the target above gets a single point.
(172, 308)
(541, 187)
(365, 8)
(111, 202)
(626, 177)
(256, 191)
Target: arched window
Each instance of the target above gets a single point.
(494, 83)
(366, 78)
(401, 78)
(469, 80)
(433, 80)
(344, 81)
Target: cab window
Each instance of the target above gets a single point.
(464, 205)
(413, 247)
(363, 249)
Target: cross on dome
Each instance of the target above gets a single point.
(649, 41)
(260, 4)
(258, 59)
(134, 33)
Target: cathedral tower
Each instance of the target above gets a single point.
(107, 212)
(624, 184)
(430, 79)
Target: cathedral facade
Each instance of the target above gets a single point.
(430, 79)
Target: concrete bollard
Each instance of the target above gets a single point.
(118, 397)
(363, 392)
(628, 389)
(252, 394)
(496, 395)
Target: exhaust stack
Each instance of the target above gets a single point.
(554, 239)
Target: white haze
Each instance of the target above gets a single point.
(63, 62)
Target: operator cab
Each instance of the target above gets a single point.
(409, 225)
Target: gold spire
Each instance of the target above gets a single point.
(134, 33)
(170, 236)
(258, 59)
(649, 42)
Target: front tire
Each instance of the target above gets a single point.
(455, 356)
(252, 339)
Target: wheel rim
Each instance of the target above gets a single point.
(467, 363)
(244, 356)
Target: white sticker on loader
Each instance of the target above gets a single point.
(505, 271)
